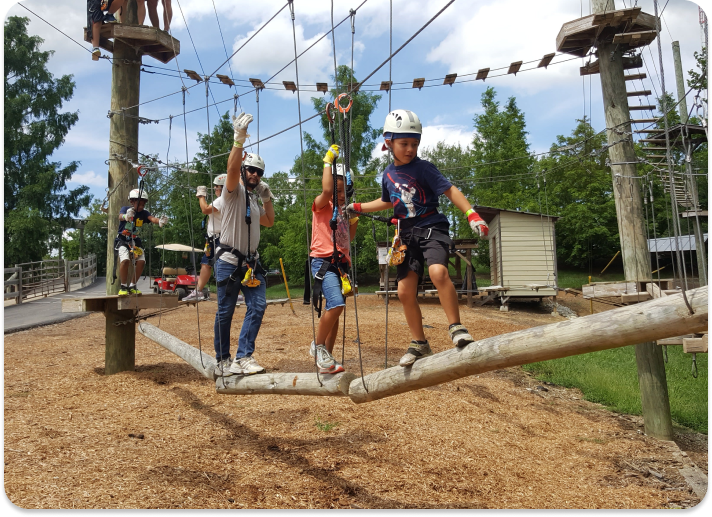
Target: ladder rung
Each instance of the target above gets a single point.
(649, 131)
(648, 140)
(651, 108)
(634, 76)
(654, 148)
(640, 93)
(657, 157)
(643, 120)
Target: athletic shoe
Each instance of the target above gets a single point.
(123, 291)
(222, 369)
(326, 362)
(415, 351)
(96, 53)
(134, 290)
(459, 335)
(110, 18)
(194, 296)
(246, 366)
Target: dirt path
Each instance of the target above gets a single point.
(160, 437)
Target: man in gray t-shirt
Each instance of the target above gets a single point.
(237, 267)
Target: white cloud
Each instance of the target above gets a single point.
(447, 133)
(89, 178)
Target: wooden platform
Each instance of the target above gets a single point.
(632, 27)
(148, 40)
(119, 303)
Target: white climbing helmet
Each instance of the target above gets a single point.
(340, 170)
(220, 180)
(134, 194)
(254, 160)
(402, 121)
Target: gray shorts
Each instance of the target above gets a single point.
(422, 250)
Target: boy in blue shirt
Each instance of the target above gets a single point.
(411, 187)
(128, 242)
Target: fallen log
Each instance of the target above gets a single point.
(188, 353)
(286, 384)
(648, 321)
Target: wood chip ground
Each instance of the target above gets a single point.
(160, 437)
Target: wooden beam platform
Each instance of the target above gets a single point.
(119, 303)
(148, 40)
(286, 384)
(628, 63)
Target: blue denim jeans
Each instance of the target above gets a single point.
(330, 286)
(256, 302)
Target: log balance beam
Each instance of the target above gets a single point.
(264, 384)
(648, 321)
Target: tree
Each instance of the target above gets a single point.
(37, 203)
(94, 238)
(698, 78)
(576, 186)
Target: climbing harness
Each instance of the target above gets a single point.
(396, 253)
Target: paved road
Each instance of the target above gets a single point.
(46, 311)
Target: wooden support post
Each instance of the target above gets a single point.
(634, 249)
(123, 142)
(120, 353)
(656, 319)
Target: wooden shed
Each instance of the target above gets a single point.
(522, 248)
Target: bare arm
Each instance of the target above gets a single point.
(234, 164)
(153, 219)
(458, 199)
(375, 206)
(327, 188)
(268, 218)
(206, 208)
(353, 226)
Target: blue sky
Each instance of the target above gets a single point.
(469, 35)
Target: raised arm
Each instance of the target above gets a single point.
(327, 178)
(234, 161)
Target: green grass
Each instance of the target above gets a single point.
(575, 279)
(324, 426)
(609, 377)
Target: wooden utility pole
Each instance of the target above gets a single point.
(690, 179)
(634, 245)
(123, 146)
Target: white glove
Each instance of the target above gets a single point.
(350, 210)
(201, 192)
(240, 124)
(129, 215)
(262, 190)
(162, 221)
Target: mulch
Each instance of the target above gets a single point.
(160, 437)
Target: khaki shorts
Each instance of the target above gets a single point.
(124, 254)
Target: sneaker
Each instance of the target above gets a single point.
(222, 369)
(123, 291)
(415, 351)
(110, 18)
(134, 290)
(459, 335)
(96, 53)
(326, 362)
(246, 366)
(194, 296)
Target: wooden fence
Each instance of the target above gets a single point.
(45, 277)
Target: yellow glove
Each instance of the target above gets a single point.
(331, 155)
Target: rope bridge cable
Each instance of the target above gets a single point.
(306, 218)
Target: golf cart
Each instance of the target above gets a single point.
(177, 280)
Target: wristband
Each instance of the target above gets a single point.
(237, 144)
(327, 163)
(357, 207)
(470, 211)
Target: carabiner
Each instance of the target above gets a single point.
(340, 107)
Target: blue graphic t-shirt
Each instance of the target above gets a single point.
(414, 189)
(140, 219)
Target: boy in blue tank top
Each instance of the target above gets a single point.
(411, 187)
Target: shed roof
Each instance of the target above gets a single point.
(488, 213)
(667, 244)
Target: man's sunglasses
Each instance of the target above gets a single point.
(255, 170)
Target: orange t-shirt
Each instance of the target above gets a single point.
(322, 244)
